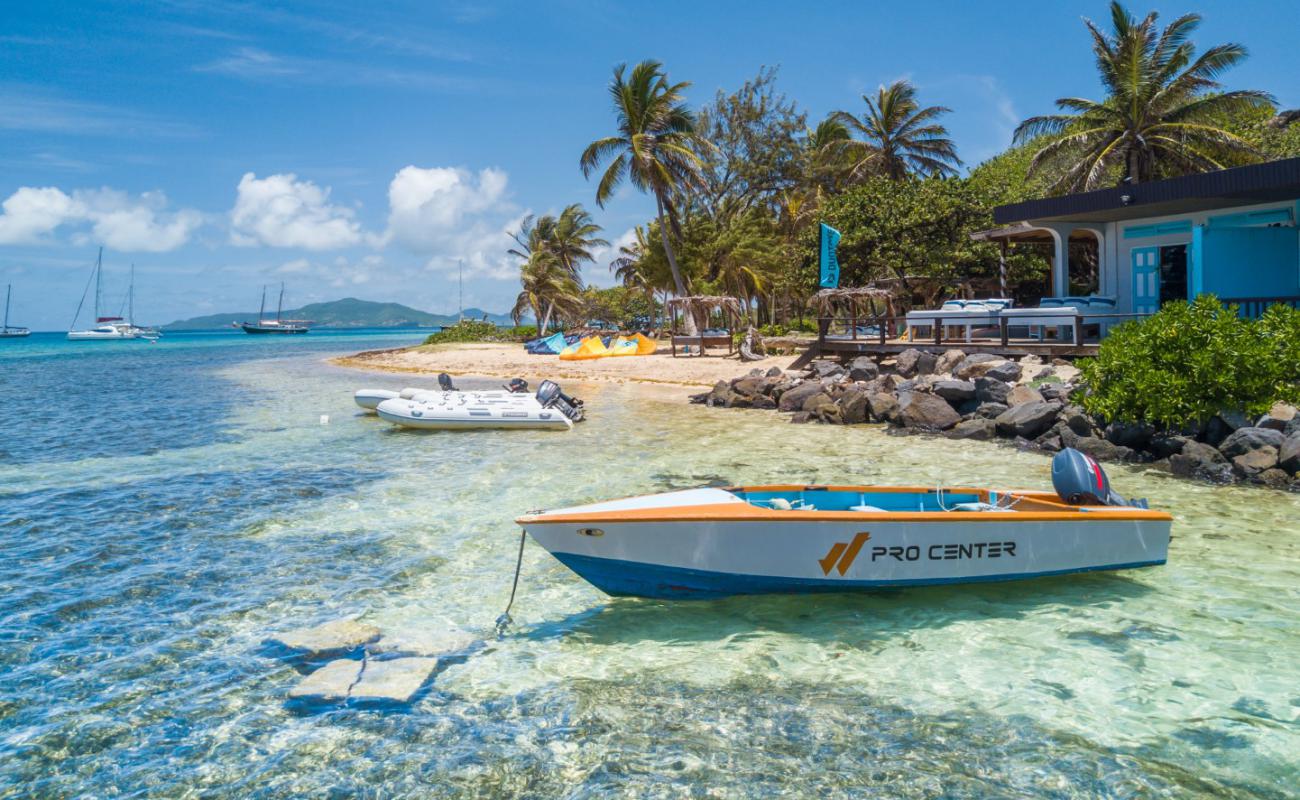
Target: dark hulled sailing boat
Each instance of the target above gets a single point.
(277, 325)
(8, 332)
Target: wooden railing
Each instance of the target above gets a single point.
(1253, 307)
(883, 328)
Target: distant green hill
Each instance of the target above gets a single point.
(346, 313)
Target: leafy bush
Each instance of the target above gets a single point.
(468, 330)
(521, 333)
(1191, 360)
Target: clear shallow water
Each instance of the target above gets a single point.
(163, 507)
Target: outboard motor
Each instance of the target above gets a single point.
(1079, 480)
(444, 382)
(550, 396)
(517, 386)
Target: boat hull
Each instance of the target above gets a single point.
(471, 414)
(273, 329)
(705, 555)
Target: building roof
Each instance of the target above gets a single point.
(1240, 186)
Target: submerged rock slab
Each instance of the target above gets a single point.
(330, 684)
(432, 641)
(339, 636)
(396, 680)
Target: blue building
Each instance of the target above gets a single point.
(1232, 233)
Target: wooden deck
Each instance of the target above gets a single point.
(850, 341)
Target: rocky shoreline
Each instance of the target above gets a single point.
(1026, 403)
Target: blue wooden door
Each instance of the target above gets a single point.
(1146, 280)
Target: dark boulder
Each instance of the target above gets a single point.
(945, 364)
(1288, 455)
(1008, 371)
(1243, 440)
(853, 407)
(800, 417)
(748, 386)
(1200, 460)
(991, 390)
(923, 411)
(954, 391)
(816, 401)
(826, 369)
(1102, 450)
(863, 368)
(1276, 478)
(990, 410)
(975, 365)
(792, 399)
(1056, 391)
(1221, 425)
(775, 372)
(1077, 419)
(884, 406)
(1164, 446)
(1022, 394)
(1252, 463)
(914, 362)
(762, 401)
(1027, 420)
(1130, 434)
(978, 428)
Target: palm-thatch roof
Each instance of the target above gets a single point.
(827, 301)
(705, 304)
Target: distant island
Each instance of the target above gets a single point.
(346, 313)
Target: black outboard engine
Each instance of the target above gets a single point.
(444, 382)
(550, 396)
(517, 386)
(1079, 480)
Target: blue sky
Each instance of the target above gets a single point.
(361, 149)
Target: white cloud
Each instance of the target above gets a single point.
(597, 272)
(117, 220)
(340, 272)
(282, 211)
(451, 215)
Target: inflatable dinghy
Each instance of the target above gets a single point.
(549, 409)
(369, 399)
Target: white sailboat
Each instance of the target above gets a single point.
(110, 327)
(277, 325)
(8, 332)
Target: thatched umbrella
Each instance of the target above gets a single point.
(701, 307)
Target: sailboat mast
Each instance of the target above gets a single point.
(279, 307)
(8, 290)
(261, 311)
(99, 274)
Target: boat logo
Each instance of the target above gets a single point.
(590, 532)
(841, 555)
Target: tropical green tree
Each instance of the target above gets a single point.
(1162, 114)
(656, 147)
(896, 137)
(630, 268)
(548, 280)
(572, 238)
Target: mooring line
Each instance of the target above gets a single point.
(503, 621)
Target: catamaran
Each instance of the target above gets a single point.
(277, 325)
(11, 332)
(110, 327)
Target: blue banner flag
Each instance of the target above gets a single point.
(830, 260)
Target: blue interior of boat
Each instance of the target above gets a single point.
(810, 499)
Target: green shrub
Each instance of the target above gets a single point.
(521, 333)
(1191, 360)
(468, 330)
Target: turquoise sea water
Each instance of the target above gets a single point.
(164, 507)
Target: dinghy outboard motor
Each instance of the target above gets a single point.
(1079, 480)
(444, 382)
(517, 386)
(550, 396)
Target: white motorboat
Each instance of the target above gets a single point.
(369, 399)
(110, 327)
(449, 409)
(714, 542)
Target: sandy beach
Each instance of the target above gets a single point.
(510, 361)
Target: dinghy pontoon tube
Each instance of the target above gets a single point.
(772, 539)
(548, 409)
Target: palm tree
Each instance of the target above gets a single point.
(629, 268)
(897, 138)
(1163, 111)
(548, 281)
(572, 239)
(655, 148)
